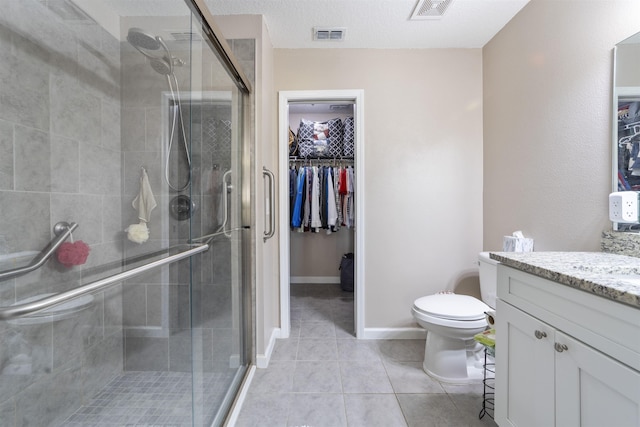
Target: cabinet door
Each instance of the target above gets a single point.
(592, 389)
(524, 369)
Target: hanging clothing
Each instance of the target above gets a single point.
(332, 212)
(316, 222)
(321, 197)
(336, 191)
(296, 218)
(307, 202)
(293, 189)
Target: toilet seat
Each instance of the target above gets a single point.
(451, 307)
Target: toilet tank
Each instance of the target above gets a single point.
(488, 269)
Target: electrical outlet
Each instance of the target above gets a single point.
(623, 207)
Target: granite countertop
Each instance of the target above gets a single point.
(612, 276)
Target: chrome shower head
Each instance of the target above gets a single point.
(161, 66)
(162, 62)
(140, 39)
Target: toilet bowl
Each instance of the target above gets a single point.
(451, 321)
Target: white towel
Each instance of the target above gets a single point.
(144, 202)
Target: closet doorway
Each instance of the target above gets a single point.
(290, 103)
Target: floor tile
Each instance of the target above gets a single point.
(345, 329)
(317, 377)
(323, 376)
(367, 376)
(286, 349)
(317, 314)
(277, 379)
(150, 398)
(470, 405)
(294, 330)
(402, 350)
(373, 410)
(357, 350)
(317, 330)
(317, 410)
(317, 349)
(264, 410)
(296, 314)
(426, 410)
(408, 377)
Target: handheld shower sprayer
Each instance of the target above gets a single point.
(163, 63)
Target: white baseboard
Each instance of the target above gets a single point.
(393, 334)
(242, 394)
(314, 279)
(262, 360)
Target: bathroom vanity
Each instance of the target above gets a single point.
(567, 339)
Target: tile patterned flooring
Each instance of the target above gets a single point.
(323, 376)
(149, 399)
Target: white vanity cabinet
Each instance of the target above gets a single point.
(564, 357)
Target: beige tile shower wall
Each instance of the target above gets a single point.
(547, 122)
(423, 165)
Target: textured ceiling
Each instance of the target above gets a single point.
(375, 23)
(368, 23)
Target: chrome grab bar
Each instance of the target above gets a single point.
(62, 230)
(19, 310)
(270, 202)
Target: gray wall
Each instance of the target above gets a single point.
(59, 161)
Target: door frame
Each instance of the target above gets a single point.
(284, 98)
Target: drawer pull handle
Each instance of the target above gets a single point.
(560, 347)
(540, 334)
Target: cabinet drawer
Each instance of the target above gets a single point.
(606, 325)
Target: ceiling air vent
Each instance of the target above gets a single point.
(429, 9)
(329, 34)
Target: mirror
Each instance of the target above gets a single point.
(626, 129)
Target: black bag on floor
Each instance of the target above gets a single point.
(346, 272)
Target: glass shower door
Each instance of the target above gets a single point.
(120, 215)
(218, 309)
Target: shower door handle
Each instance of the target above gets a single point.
(270, 203)
(226, 190)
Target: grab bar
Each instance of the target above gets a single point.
(19, 310)
(271, 212)
(62, 230)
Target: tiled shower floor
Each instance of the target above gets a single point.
(148, 399)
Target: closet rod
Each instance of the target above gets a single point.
(321, 159)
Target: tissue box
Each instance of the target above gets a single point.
(517, 244)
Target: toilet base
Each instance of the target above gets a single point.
(452, 360)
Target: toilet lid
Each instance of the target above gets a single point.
(452, 306)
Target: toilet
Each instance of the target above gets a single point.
(451, 354)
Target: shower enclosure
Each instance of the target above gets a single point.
(124, 296)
